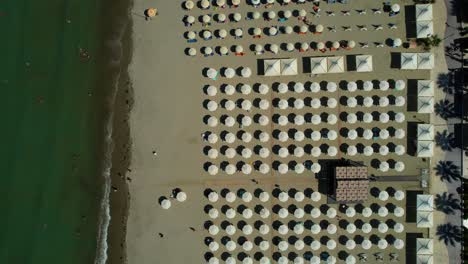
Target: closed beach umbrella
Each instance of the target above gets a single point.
(367, 134)
(384, 85)
(264, 246)
(382, 244)
(368, 101)
(332, 151)
(350, 212)
(181, 196)
(366, 244)
(331, 213)
(315, 152)
(350, 244)
(351, 86)
(166, 204)
(399, 228)
(366, 212)
(315, 245)
(264, 229)
(332, 102)
(383, 150)
(351, 228)
(383, 101)
(399, 212)
(400, 117)
(315, 168)
(384, 118)
(315, 213)
(383, 196)
(331, 229)
(331, 244)
(384, 166)
(246, 72)
(264, 137)
(400, 85)
(366, 228)
(332, 86)
(213, 230)
(400, 133)
(315, 196)
(351, 102)
(351, 118)
(299, 168)
(332, 119)
(383, 228)
(400, 101)
(352, 150)
(368, 86)
(299, 136)
(212, 170)
(383, 212)
(398, 243)
(352, 134)
(399, 195)
(399, 166)
(283, 197)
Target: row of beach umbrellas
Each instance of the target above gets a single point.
(263, 196)
(263, 168)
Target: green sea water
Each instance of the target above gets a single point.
(50, 186)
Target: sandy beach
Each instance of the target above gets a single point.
(166, 121)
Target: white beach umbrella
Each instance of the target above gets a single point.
(230, 197)
(264, 246)
(274, 48)
(383, 196)
(222, 33)
(283, 136)
(315, 196)
(382, 244)
(283, 152)
(264, 152)
(246, 169)
(192, 51)
(315, 87)
(383, 101)
(298, 229)
(299, 152)
(247, 229)
(263, 120)
(351, 86)
(166, 204)
(231, 245)
(400, 133)
(352, 150)
(189, 4)
(316, 119)
(350, 244)
(331, 229)
(399, 195)
(230, 153)
(271, 14)
(207, 34)
(246, 137)
(213, 230)
(247, 260)
(352, 134)
(246, 105)
(366, 228)
(239, 49)
(231, 260)
(315, 229)
(289, 47)
(230, 137)
(259, 49)
(213, 246)
(230, 213)
(331, 213)
(315, 135)
(398, 243)
(351, 118)
(315, 245)
(319, 28)
(331, 244)
(246, 121)
(400, 101)
(211, 90)
(229, 73)
(263, 89)
(282, 88)
(264, 137)
(283, 197)
(384, 166)
(383, 211)
(299, 245)
(282, 120)
(304, 46)
(229, 105)
(303, 29)
(272, 31)
(366, 244)
(212, 106)
(366, 212)
(299, 213)
(351, 228)
(190, 19)
(213, 197)
(383, 150)
(332, 119)
(288, 30)
(400, 117)
(299, 136)
(384, 118)
(315, 168)
(332, 151)
(315, 213)
(332, 86)
(264, 229)
(383, 228)
(207, 50)
(332, 102)
(237, 17)
(316, 152)
(368, 101)
(399, 228)
(283, 246)
(246, 197)
(298, 87)
(257, 31)
(351, 102)
(264, 197)
(399, 166)
(399, 212)
(332, 135)
(264, 104)
(181, 196)
(221, 17)
(283, 260)
(230, 230)
(315, 260)
(246, 72)
(299, 259)
(367, 118)
(205, 4)
(367, 134)
(350, 212)
(265, 260)
(212, 122)
(213, 260)
(213, 169)
(299, 120)
(368, 86)
(350, 259)
(384, 85)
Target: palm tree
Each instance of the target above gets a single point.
(449, 233)
(447, 171)
(445, 140)
(446, 203)
(445, 109)
(444, 81)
